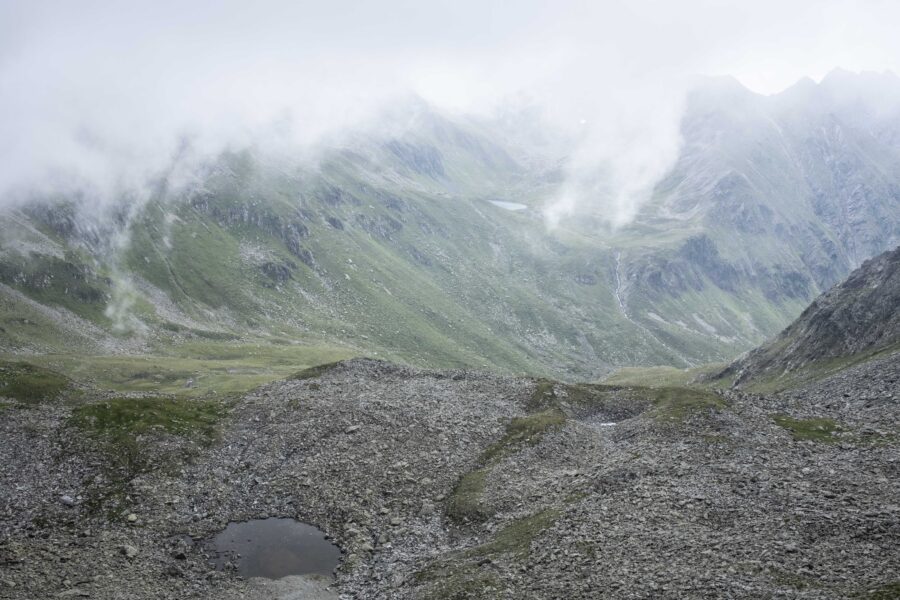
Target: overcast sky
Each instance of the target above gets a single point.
(103, 91)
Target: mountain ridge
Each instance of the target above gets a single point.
(391, 245)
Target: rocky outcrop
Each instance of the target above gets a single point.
(860, 315)
(422, 159)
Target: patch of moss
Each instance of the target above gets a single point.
(889, 591)
(795, 581)
(677, 403)
(516, 537)
(817, 430)
(138, 416)
(461, 575)
(543, 396)
(528, 429)
(458, 582)
(30, 383)
(464, 503)
(582, 395)
(124, 427)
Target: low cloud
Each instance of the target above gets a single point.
(106, 99)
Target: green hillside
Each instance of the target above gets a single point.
(393, 246)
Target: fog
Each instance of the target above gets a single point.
(104, 98)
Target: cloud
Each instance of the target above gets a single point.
(103, 97)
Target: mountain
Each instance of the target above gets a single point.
(772, 201)
(855, 319)
(423, 242)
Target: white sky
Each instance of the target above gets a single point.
(103, 91)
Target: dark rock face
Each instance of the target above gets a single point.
(862, 314)
(698, 262)
(382, 226)
(59, 218)
(419, 256)
(735, 204)
(697, 259)
(290, 231)
(702, 252)
(333, 197)
(425, 160)
(305, 256)
(277, 272)
(56, 276)
(778, 283)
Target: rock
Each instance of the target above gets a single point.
(67, 501)
(131, 518)
(352, 429)
(128, 551)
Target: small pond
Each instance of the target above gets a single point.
(274, 548)
(508, 205)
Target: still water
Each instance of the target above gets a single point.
(275, 548)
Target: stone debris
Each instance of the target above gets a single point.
(724, 503)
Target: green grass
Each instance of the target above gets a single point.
(671, 403)
(460, 575)
(30, 383)
(817, 430)
(464, 503)
(678, 403)
(134, 417)
(888, 591)
(516, 538)
(213, 367)
(126, 432)
(524, 430)
(452, 284)
(659, 376)
(459, 583)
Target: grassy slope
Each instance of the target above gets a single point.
(420, 268)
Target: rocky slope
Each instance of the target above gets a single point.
(459, 484)
(859, 316)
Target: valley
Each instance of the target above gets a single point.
(390, 346)
(394, 248)
(469, 484)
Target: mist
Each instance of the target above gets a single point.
(102, 102)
